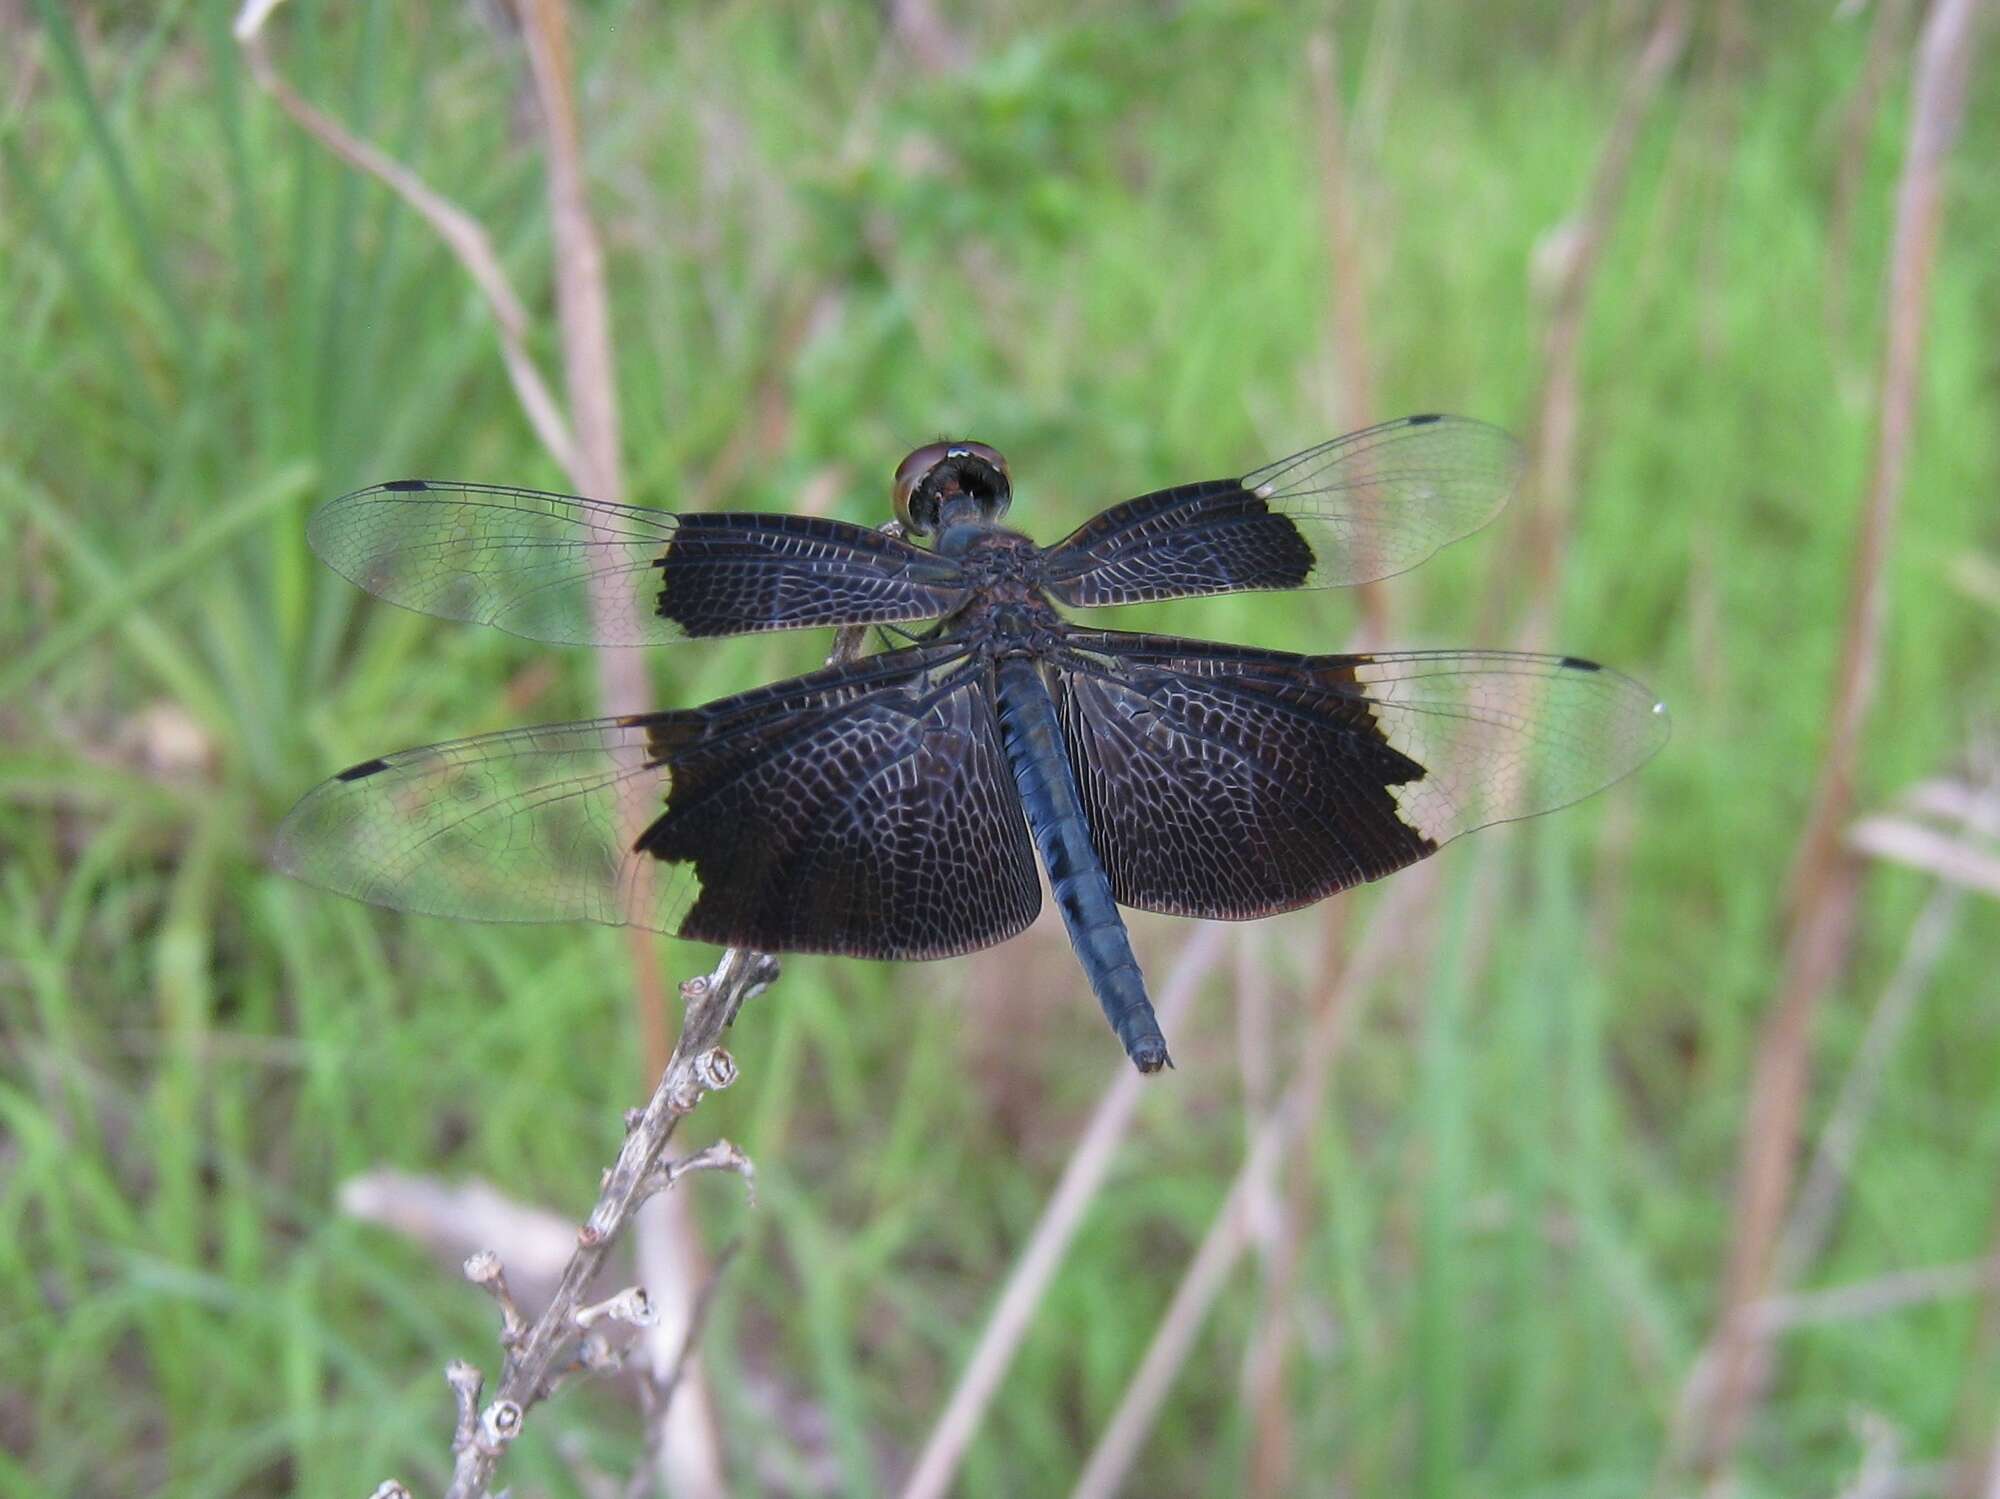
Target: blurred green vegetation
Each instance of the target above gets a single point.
(1100, 247)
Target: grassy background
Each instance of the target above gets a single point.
(1101, 249)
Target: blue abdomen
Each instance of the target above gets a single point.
(1083, 894)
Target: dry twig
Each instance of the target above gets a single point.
(668, 1248)
(1960, 862)
(1229, 1232)
(1812, 1217)
(659, 1391)
(1574, 250)
(534, 1352)
(1353, 405)
(1275, 1225)
(589, 454)
(1874, 1297)
(1978, 1475)
(1824, 874)
(1977, 811)
(1857, 122)
(1549, 481)
(453, 1219)
(461, 233)
(1278, 1217)
(1007, 1324)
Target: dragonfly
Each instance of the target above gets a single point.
(893, 805)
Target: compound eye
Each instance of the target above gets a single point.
(989, 455)
(911, 473)
(994, 498)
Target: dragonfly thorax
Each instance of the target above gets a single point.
(1009, 610)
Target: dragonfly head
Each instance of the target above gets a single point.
(949, 483)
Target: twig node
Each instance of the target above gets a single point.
(631, 1306)
(715, 1069)
(482, 1267)
(499, 1424)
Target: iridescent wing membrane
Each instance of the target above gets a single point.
(1226, 782)
(1361, 507)
(586, 572)
(830, 813)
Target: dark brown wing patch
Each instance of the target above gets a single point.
(868, 812)
(1225, 781)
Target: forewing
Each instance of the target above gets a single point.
(1229, 782)
(864, 809)
(575, 571)
(1363, 506)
